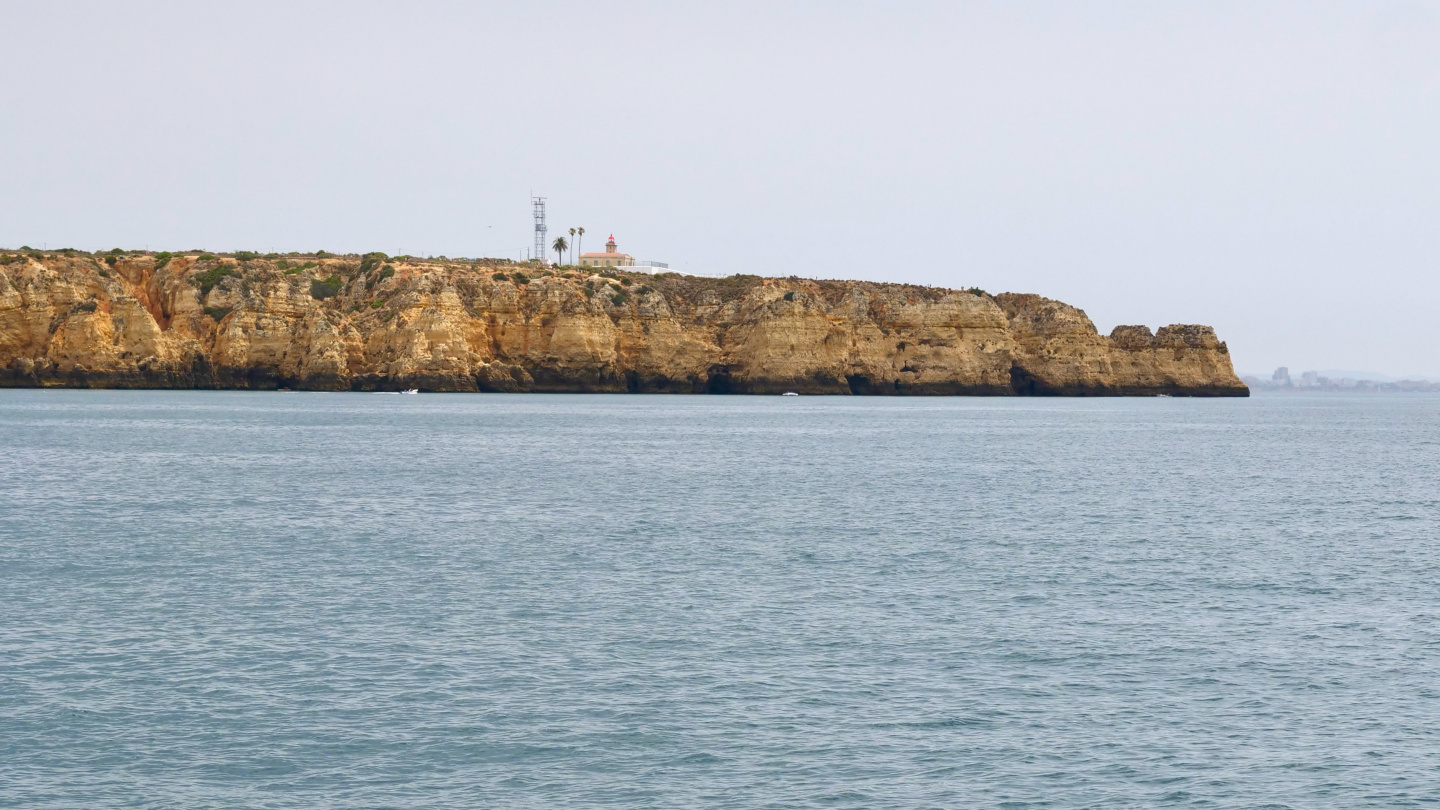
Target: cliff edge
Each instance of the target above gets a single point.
(127, 320)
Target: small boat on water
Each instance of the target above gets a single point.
(789, 394)
(411, 391)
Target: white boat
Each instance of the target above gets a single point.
(411, 391)
(789, 394)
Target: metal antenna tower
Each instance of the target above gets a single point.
(541, 249)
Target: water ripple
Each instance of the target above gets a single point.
(217, 599)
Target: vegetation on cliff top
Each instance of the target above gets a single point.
(375, 267)
(209, 278)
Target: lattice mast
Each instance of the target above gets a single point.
(541, 249)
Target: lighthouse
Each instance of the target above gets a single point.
(612, 257)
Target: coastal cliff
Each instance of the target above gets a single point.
(127, 320)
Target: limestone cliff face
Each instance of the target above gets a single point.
(198, 321)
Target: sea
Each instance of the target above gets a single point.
(298, 600)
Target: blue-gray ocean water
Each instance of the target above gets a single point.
(349, 600)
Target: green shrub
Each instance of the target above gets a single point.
(103, 272)
(218, 313)
(294, 271)
(162, 258)
(116, 251)
(84, 306)
(376, 304)
(321, 254)
(617, 299)
(372, 260)
(325, 288)
(520, 278)
(976, 291)
(790, 296)
(626, 282)
(386, 272)
(208, 279)
(246, 255)
(282, 265)
(499, 277)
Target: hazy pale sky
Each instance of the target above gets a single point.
(1272, 169)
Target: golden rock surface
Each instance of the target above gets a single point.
(340, 323)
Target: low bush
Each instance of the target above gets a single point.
(208, 279)
(499, 277)
(246, 255)
(282, 265)
(618, 298)
(976, 291)
(376, 304)
(386, 272)
(790, 296)
(162, 258)
(372, 260)
(218, 313)
(520, 278)
(321, 289)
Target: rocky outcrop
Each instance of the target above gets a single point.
(376, 323)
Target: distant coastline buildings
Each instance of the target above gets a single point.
(1311, 381)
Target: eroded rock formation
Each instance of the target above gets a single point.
(374, 323)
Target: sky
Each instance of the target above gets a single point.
(1271, 169)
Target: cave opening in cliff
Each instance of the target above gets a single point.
(1022, 383)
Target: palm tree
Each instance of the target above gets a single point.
(572, 237)
(580, 237)
(559, 248)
